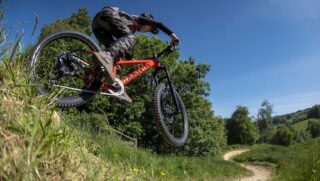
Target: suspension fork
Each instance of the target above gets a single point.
(170, 82)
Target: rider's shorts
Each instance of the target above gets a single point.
(112, 30)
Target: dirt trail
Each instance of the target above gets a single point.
(260, 173)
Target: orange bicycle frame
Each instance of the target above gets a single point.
(146, 65)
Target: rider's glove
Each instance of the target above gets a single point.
(174, 39)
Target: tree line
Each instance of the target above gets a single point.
(242, 129)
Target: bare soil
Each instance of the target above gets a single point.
(260, 173)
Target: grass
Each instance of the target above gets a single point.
(296, 162)
(301, 126)
(141, 164)
(36, 143)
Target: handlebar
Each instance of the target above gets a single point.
(167, 50)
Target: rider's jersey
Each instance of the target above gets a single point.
(135, 22)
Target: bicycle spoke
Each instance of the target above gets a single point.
(53, 61)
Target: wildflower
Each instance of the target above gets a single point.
(135, 170)
(162, 173)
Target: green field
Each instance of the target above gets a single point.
(301, 126)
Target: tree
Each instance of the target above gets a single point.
(240, 128)
(264, 122)
(79, 21)
(314, 112)
(283, 136)
(314, 128)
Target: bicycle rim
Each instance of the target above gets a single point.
(46, 58)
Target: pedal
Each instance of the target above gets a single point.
(115, 89)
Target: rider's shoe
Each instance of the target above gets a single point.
(106, 59)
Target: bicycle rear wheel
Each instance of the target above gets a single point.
(63, 65)
(171, 121)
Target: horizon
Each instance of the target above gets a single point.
(257, 49)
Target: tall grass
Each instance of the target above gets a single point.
(296, 162)
(144, 165)
(34, 145)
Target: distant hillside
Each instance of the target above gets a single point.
(291, 117)
(298, 116)
(302, 125)
(299, 120)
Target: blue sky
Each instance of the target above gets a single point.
(258, 49)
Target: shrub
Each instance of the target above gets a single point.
(314, 112)
(283, 136)
(240, 128)
(314, 128)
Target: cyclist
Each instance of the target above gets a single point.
(114, 28)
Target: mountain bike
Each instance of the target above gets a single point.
(64, 64)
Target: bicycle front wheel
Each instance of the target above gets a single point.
(171, 121)
(63, 66)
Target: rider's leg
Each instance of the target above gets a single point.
(122, 45)
(106, 59)
(118, 27)
(123, 40)
(102, 32)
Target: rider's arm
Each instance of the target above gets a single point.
(145, 21)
